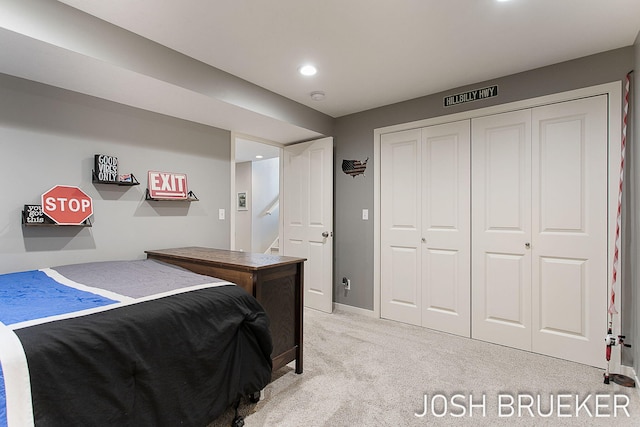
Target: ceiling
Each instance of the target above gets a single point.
(248, 150)
(368, 54)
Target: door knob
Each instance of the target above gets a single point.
(424, 240)
(325, 234)
(527, 245)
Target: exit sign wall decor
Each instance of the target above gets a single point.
(167, 185)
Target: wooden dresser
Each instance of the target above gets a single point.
(275, 281)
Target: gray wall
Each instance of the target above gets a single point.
(48, 136)
(354, 140)
(633, 185)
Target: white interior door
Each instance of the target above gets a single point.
(540, 229)
(445, 224)
(569, 244)
(400, 229)
(307, 209)
(501, 229)
(425, 227)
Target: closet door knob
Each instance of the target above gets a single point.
(424, 240)
(527, 245)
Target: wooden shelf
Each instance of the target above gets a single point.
(48, 222)
(134, 181)
(191, 198)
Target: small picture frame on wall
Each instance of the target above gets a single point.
(242, 201)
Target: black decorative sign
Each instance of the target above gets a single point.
(33, 215)
(354, 167)
(472, 95)
(106, 168)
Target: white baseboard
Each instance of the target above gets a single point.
(630, 372)
(356, 310)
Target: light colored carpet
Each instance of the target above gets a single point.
(360, 371)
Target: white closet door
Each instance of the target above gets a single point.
(569, 244)
(400, 269)
(445, 193)
(501, 229)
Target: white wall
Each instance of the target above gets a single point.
(265, 191)
(243, 218)
(49, 136)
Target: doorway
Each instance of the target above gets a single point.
(255, 207)
(304, 196)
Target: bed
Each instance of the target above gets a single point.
(127, 343)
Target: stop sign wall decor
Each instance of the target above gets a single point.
(67, 205)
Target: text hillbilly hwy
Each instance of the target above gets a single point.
(472, 95)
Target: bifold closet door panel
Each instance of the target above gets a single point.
(501, 229)
(496, 228)
(569, 246)
(446, 206)
(400, 216)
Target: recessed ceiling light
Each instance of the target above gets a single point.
(317, 95)
(307, 70)
(259, 156)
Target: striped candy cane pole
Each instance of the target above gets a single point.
(616, 252)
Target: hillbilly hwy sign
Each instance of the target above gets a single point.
(67, 205)
(472, 95)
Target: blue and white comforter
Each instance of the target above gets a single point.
(32, 300)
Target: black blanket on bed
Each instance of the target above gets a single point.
(126, 366)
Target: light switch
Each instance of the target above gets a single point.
(365, 214)
(220, 213)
